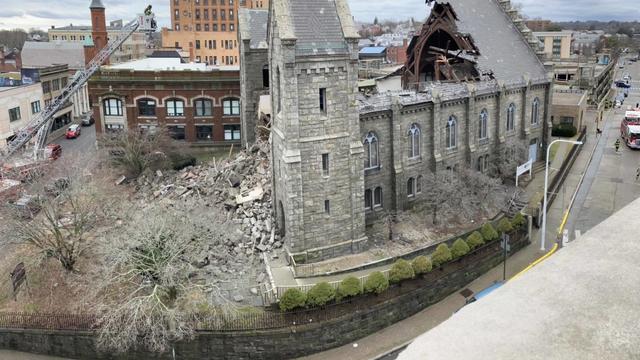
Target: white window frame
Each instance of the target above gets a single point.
(483, 131)
(451, 133)
(231, 107)
(414, 141)
(204, 107)
(174, 106)
(113, 104)
(377, 200)
(535, 112)
(511, 117)
(371, 143)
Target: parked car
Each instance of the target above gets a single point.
(88, 121)
(622, 84)
(73, 131)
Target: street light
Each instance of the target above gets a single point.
(546, 184)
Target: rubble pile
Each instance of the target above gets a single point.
(239, 185)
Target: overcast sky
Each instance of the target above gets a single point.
(44, 13)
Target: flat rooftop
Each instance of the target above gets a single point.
(581, 303)
(168, 64)
(568, 97)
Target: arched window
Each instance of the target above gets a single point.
(146, 107)
(175, 107)
(483, 124)
(204, 107)
(377, 197)
(367, 199)
(535, 111)
(419, 185)
(112, 107)
(371, 158)
(414, 141)
(511, 117)
(451, 136)
(231, 107)
(411, 187)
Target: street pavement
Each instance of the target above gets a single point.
(81, 147)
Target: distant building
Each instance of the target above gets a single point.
(538, 25)
(10, 59)
(42, 54)
(397, 54)
(373, 53)
(569, 107)
(196, 103)
(557, 44)
(587, 42)
(18, 106)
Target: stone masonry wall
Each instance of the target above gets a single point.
(253, 61)
(275, 344)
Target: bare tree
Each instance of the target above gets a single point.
(147, 297)
(134, 152)
(442, 193)
(509, 157)
(480, 190)
(57, 223)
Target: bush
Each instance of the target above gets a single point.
(459, 249)
(421, 265)
(401, 270)
(475, 240)
(292, 299)
(180, 161)
(489, 233)
(349, 287)
(504, 226)
(321, 294)
(441, 255)
(518, 221)
(564, 130)
(376, 283)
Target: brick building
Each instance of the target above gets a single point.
(398, 54)
(196, 103)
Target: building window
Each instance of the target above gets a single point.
(371, 158)
(231, 132)
(567, 120)
(535, 111)
(204, 132)
(265, 76)
(323, 100)
(14, 114)
(35, 107)
(414, 141)
(451, 138)
(176, 132)
(55, 84)
(46, 87)
(146, 107)
(483, 124)
(112, 107)
(63, 82)
(231, 107)
(113, 128)
(411, 187)
(148, 129)
(368, 199)
(175, 107)
(327, 207)
(419, 185)
(377, 197)
(511, 117)
(325, 164)
(204, 107)
(223, 27)
(197, 44)
(231, 26)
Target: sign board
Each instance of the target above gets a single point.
(527, 167)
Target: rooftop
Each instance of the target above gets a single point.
(168, 64)
(568, 97)
(253, 26)
(39, 54)
(581, 303)
(317, 27)
(370, 50)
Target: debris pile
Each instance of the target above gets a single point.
(239, 185)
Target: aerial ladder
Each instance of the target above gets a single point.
(40, 125)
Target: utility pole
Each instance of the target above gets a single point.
(506, 248)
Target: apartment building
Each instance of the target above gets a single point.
(18, 106)
(207, 29)
(557, 44)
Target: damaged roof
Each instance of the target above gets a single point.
(503, 49)
(253, 27)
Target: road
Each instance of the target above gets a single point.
(610, 180)
(81, 147)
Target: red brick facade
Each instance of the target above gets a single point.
(123, 90)
(397, 54)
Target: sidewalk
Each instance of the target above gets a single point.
(400, 333)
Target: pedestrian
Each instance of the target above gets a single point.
(637, 173)
(617, 145)
(598, 132)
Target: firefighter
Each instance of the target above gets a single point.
(617, 145)
(147, 11)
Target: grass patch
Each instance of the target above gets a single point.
(204, 156)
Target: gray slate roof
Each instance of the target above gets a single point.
(253, 26)
(96, 4)
(317, 27)
(39, 54)
(502, 47)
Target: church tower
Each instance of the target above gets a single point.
(98, 31)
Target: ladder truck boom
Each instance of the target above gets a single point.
(39, 126)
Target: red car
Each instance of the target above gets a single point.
(73, 131)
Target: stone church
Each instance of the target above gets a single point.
(472, 84)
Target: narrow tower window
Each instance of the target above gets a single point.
(323, 100)
(325, 164)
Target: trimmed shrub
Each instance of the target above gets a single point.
(421, 265)
(504, 226)
(376, 283)
(349, 287)
(518, 221)
(489, 233)
(401, 270)
(320, 294)
(292, 299)
(441, 255)
(564, 130)
(459, 249)
(475, 240)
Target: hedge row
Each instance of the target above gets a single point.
(377, 283)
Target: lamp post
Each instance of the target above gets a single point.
(546, 184)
